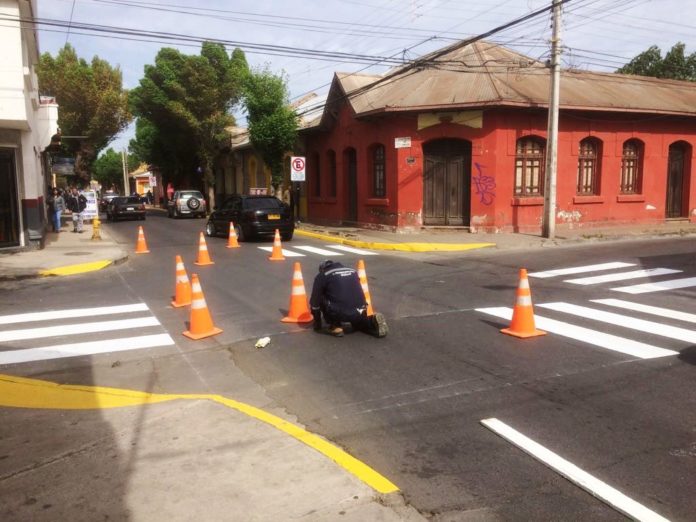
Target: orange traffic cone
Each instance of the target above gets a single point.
(201, 324)
(299, 310)
(522, 324)
(203, 256)
(362, 274)
(141, 245)
(182, 294)
(277, 254)
(232, 240)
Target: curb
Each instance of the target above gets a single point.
(400, 247)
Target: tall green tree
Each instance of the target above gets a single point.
(183, 105)
(108, 169)
(272, 122)
(92, 100)
(676, 64)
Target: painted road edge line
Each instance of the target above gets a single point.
(80, 268)
(401, 247)
(603, 491)
(22, 392)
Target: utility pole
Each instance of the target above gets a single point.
(124, 162)
(549, 219)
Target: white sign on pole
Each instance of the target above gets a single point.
(297, 168)
(402, 143)
(153, 181)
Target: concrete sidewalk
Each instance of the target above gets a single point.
(65, 253)
(442, 239)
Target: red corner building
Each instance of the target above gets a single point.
(458, 139)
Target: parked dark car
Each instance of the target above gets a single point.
(186, 203)
(105, 199)
(125, 207)
(253, 216)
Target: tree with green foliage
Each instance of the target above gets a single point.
(272, 122)
(675, 65)
(183, 105)
(108, 169)
(92, 103)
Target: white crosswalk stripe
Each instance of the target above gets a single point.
(20, 345)
(70, 313)
(621, 276)
(286, 252)
(328, 250)
(654, 310)
(354, 250)
(641, 325)
(672, 284)
(581, 269)
(320, 251)
(587, 335)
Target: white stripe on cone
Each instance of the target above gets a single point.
(198, 304)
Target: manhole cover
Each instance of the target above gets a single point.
(76, 253)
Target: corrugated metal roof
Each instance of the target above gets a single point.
(484, 74)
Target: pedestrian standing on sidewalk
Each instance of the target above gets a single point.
(338, 295)
(76, 203)
(56, 205)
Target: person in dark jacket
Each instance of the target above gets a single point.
(338, 295)
(76, 203)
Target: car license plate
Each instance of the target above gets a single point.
(130, 208)
(273, 216)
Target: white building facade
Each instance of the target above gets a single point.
(27, 123)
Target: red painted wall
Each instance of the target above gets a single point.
(493, 207)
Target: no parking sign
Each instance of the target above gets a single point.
(297, 168)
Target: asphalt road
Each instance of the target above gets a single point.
(410, 405)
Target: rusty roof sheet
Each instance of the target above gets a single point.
(484, 74)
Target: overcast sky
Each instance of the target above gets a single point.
(596, 34)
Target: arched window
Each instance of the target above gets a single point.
(331, 156)
(589, 167)
(379, 181)
(317, 174)
(632, 167)
(529, 167)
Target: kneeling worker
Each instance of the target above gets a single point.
(338, 295)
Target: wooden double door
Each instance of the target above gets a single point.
(447, 182)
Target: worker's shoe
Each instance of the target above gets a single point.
(336, 331)
(379, 325)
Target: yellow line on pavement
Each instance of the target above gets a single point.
(75, 269)
(402, 247)
(21, 392)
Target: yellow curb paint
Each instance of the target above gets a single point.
(75, 269)
(401, 247)
(21, 392)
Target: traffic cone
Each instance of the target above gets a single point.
(277, 254)
(201, 324)
(141, 245)
(182, 293)
(522, 324)
(362, 274)
(203, 256)
(232, 240)
(299, 310)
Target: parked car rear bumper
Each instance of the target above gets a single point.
(136, 214)
(267, 229)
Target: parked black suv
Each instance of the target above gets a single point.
(253, 216)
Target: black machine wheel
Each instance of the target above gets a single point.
(193, 203)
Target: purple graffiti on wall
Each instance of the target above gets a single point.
(485, 185)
